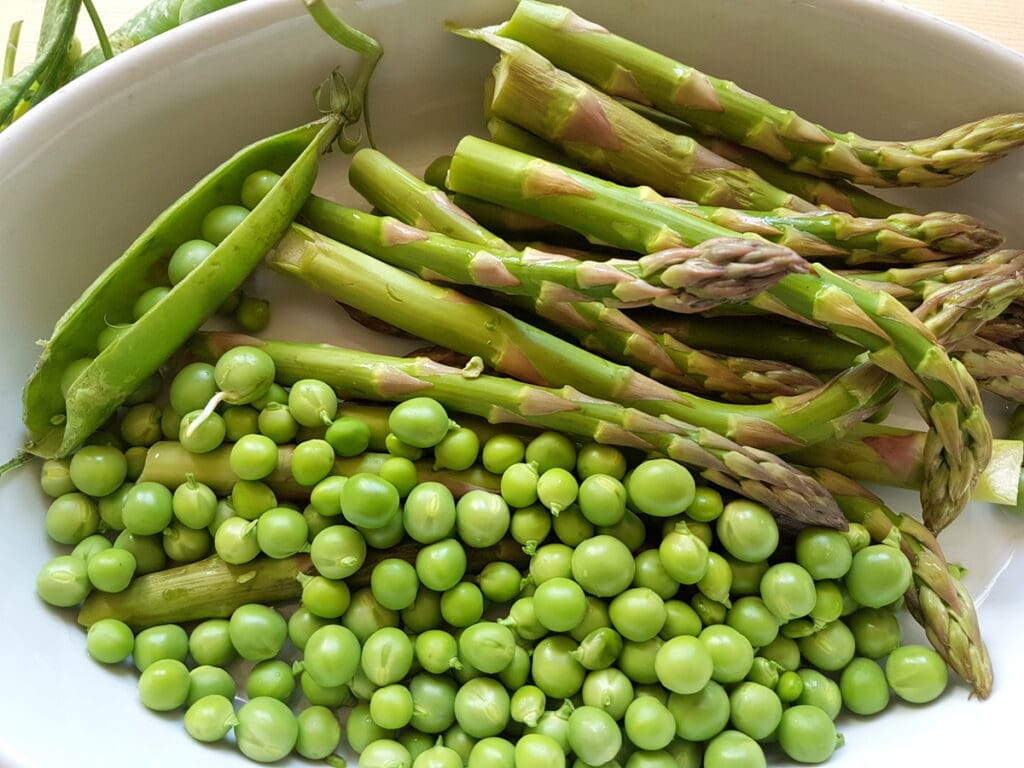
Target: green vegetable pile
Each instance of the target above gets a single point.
(589, 523)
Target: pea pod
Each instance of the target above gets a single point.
(57, 425)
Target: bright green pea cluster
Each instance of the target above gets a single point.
(652, 622)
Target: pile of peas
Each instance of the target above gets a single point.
(656, 625)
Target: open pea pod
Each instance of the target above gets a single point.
(58, 425)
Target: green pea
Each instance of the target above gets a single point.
(755, 710)
(482, 707)
(747, 530)
(916, 674)
(530, 526)
(790, 687)
(148, 300)
(266, 730)
(301, 626)
(707, 505)
(600, 459)
(348, 436)
(387, 656)
(519, 485)
(369, 501)
(148, 551)
(821, 692)
(594, 736)
(551, 449)
(391, 706)
(876, 632)
(71, 518)
(680, 619)
(701, 715)
(764, 672)
(319, 733)
(361, 730)
(338, 551)
(717, 579)
(441, 565)
(783, 651)
(823, 552)
(257, 631)
(210, 718)
(648, 724)
(194, 504)
(528, 703)
(462, 605)
(555, 723)
(365, 615)
(256, 186)
(394, 446)
(502, 451)
(807, 734)
(830, 648)
(602, 499)
(333, 697)
(433, 699)
(55, 477)
(271, 677)
(554, 669)
(312, 403)
(733, 748)
(235, 541)
(489, 752)
(488, 646)
(500, 582)
(458, 450)
(439, 756)
(684, 555)
(684, 664)
(210, 643)
(708, 611)
(164, 641)
(312, 461)
(252, 314)
(424, 613)
(456, 739)
(752, 619)
(109, 641)
(482, 518)
(828, 603)
(878, 575)
(331, 655)
(660, 488)
(864, 687)
(650, 573)
(111, 570)
(186, 545)
(788, 591)
(98, 470)
(639, 660)
(638, 614)
(571, 527)
(537, 750)
(163, 685)
(281, 532)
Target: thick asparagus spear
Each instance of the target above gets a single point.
(623, 68)
(211, 588)
(937, 599)
(835, 194)
(637, 219)
(607, 138)
(777, 426)
(753, 473)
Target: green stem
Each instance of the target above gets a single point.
(11, 51)
(101, 32)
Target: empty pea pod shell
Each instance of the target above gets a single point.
(56, 425)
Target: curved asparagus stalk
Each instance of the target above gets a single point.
(748, 471)
(212, 589)
(937, 599)
(637, 219)
(835, 194)
(623, 68)
(540, 357)
(608, 138)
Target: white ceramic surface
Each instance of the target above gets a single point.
(81, 176)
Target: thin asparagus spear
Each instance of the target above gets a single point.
(996, 369)
(607, 138)
(919, 280)
(413, 201)
(211, 588)
(623, 68)
(903, 238)
(937, 599)
(753, 473)
(169, 464)
(520, 350)
(639, 220)
(837, 195)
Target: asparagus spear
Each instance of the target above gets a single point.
(539, 357)
(996, 369)
(837, 195)
(623, 68)
(169, 464)
(921, 279)
(605, 137)
(753, 473)
(415, 202)
(211, 588)
(937, 599)
(639, 220)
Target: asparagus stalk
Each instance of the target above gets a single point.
(921, 279)
(415, 202)
(623, 68)
(1007, 329)
(212, 589)
(169, 464)
(996, 369)
(608, 138)
(750, 472)
(897, 341)
(903, 238)
(509, 343)
(937, 599)
(837, 195)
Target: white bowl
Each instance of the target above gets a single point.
(83, 174)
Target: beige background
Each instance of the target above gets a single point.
(1001, 20)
